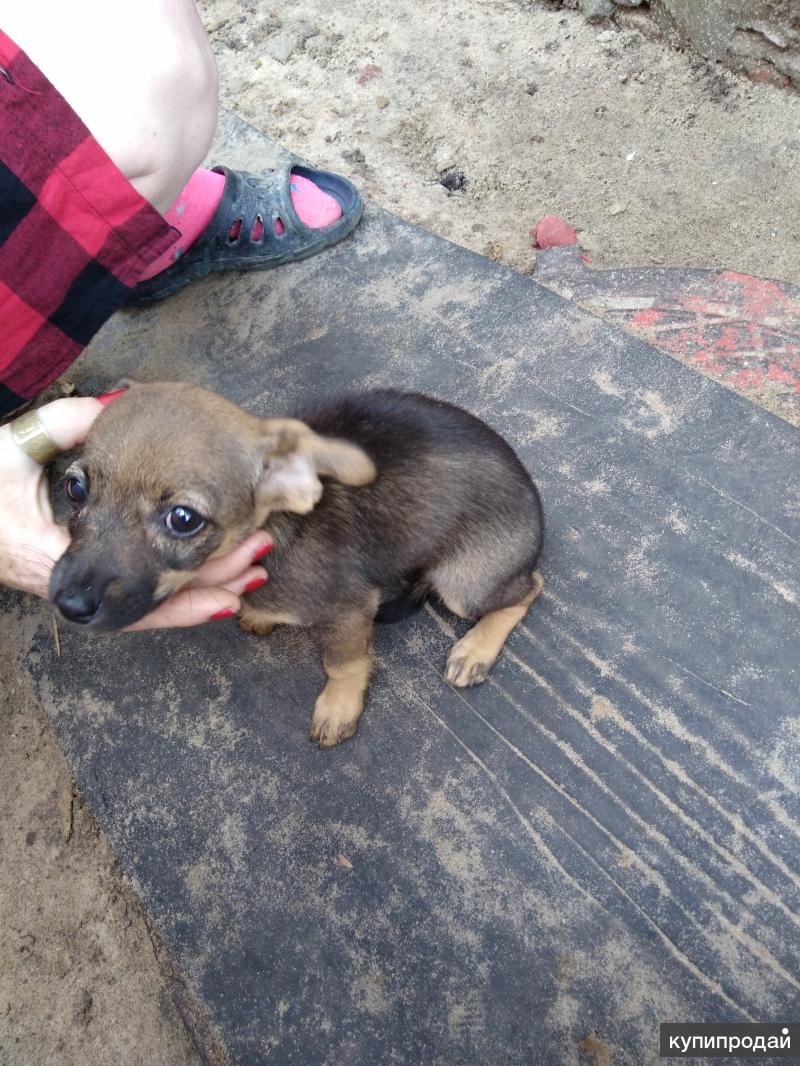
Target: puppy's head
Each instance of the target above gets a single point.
(170, 476)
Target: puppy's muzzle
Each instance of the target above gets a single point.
(79, 605)
(98, 597)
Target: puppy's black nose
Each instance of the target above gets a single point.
(79, 605)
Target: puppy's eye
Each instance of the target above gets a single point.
(183, 521)
(76, 489)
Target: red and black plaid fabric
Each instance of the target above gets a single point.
(75, 235)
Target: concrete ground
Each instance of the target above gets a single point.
(657, 158)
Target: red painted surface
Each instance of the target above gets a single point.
(743, 330)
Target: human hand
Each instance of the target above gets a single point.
(214, 592)
(31, 542)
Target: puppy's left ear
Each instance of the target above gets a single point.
(294, 459)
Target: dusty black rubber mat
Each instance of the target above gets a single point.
(600, 838)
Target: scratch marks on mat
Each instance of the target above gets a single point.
(743, 506)
(712, 922)
(669, 944)
(693, 870)
(549, 856)
(786, 593)
(674, 768)
(709, 684)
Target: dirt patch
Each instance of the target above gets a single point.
(597, 1053)
(475, 122)
(79, 982)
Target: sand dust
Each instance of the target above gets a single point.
(657, 157)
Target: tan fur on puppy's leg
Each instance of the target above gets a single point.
(262, 622)
(472, 657)
(348, 664)
(250, 623)
(341, 702)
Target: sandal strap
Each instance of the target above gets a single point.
(243, 200)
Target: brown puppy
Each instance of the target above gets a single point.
(374, 500)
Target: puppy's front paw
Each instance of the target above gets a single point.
(335, 718)
(254, 622)
(466, 664)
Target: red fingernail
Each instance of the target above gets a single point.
(261, 552)
(227, 613)
(109, 397)
(256, 583)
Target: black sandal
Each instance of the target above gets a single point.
(241, 235)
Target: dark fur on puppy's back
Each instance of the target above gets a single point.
(404, 428)
(448, 488)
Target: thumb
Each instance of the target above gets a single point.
(68, 421)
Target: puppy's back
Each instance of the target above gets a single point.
(443, 475)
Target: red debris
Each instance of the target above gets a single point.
(763, 72)
(370, 71)
(551, 232)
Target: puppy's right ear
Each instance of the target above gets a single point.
(295, 457)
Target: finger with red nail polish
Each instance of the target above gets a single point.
(256, 583)
(191, 607)
(215, 587)
(265, 549)
(108, 397)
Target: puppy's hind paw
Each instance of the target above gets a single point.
(465, 666)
